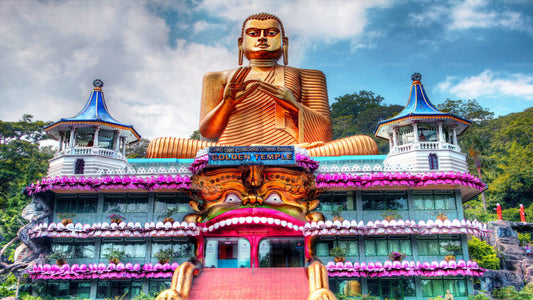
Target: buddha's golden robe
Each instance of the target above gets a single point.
(259, 120)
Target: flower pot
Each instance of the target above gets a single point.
(61, 262)
(389, 218)
(339, 259)
(449, 257)
(168, 219)
(116, 220)
(164, 261)
(398, 259)
(114, 260)
(65, 222)
(442, 217)
(340, 219)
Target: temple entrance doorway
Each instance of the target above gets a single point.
(230, 252)
(280, 252)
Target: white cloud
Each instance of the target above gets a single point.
(307, 22)
(203, 25)
(477, 14)
(369, 41)
(464, 15)
(52, 51)
(426, 18)
(489, 84)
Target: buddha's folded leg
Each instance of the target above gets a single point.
(171, 147)
(352, 145)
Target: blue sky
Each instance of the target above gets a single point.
(152, 55)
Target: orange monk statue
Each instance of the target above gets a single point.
(264, 103)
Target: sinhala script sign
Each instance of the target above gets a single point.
(251, 155)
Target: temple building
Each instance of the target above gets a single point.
(248, 220)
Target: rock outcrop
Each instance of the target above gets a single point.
(516, 266)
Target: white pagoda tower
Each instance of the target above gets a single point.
(92, 141)
(423, 138)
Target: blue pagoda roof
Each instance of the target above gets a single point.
(95, 109)
(419, 107)
(95, 112)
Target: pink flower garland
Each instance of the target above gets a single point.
(199, 163)
(384, 227)
(404, 268)
(125, 182)
(391, 179)
(101, 271)
(123, 229)
(306, 162)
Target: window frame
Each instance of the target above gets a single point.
(429, 200)
(388, 241)
(381, 201)
(443, 280)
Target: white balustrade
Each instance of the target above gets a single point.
(425, 146)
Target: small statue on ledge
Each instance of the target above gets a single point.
(448, 295)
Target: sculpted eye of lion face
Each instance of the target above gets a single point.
(232, 198)
(274, 198)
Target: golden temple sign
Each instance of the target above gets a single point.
(247, 155)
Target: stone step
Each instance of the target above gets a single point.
(248, 284)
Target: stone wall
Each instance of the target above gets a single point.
(516, 267)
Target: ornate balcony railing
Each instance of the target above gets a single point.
(89, 151)
(425, 146)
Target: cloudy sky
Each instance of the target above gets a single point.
(152, 55)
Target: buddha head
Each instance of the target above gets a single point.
(263, 37)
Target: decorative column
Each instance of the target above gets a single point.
(391, 142)
(395, 136)
(96, 133)
(72, 137)
(441, 133)
(116, 141)
(61, 141)
(123, 146)
(415, 131)
(455, 136)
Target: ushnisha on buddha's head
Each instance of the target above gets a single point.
(263, 37)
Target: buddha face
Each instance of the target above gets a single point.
(262, 39)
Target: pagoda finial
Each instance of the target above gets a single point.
(98, 83)
(416, 77)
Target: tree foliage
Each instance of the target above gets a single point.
(483, 253)
(469, 109)
(500, 152)
(196, 135)
(510, 293)
(21, 163)
(138, 149)
(359, 113)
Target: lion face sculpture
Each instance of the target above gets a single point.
(286, 190)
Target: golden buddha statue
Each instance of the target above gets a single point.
(264, 103)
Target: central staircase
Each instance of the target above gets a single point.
(251, 284)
